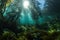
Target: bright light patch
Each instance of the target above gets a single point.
(26, 4)
(42, 4)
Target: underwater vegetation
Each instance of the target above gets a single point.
(46, 31)
(31, 33)
(29, 20)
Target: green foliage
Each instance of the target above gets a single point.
(32, 34)
(8, 35)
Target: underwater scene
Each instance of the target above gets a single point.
(29, 19)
